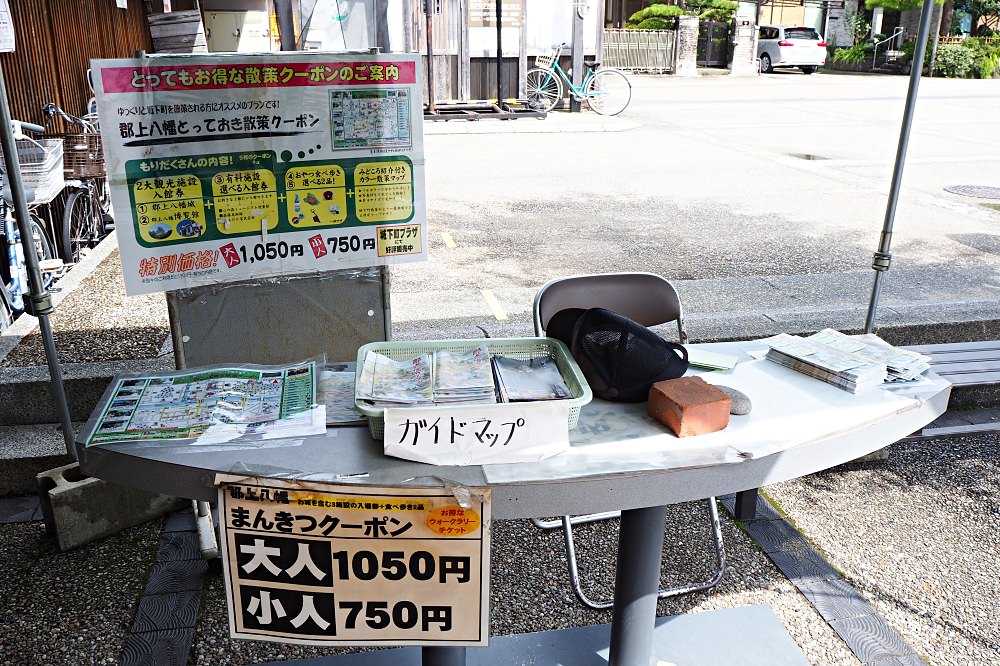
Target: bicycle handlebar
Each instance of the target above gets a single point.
(30, 127)
(50, 110)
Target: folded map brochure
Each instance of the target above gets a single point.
(850, 363)
(529, 379)
(440, 377)
(336, 391)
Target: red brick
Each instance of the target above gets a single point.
(689, 406)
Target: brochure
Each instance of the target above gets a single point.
(522, 380)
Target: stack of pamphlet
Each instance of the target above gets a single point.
(829, 362)
(463, 378)
(522, 380)
(901, 364)
(440, 377)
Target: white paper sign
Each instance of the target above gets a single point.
(320, 564)
(228, 167)
(6, 28)
(478, 434)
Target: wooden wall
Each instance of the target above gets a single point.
(55, 40)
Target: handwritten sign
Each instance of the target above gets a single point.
(478, 434)
(321, 564)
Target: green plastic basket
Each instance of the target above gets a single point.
(519, 348)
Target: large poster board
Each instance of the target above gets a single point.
(229, 167)
(322, 564)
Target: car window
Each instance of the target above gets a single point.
(801, 33)
(768, 33)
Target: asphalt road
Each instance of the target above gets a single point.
(710, 177)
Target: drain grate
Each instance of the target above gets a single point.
(980, 191)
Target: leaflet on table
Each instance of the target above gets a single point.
(237, 166)
(336, 390)
(214, 404)
(438, 377)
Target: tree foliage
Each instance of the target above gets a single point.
(898, 5)
(661, 15)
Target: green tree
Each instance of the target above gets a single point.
(898, 5)
(658, 15)
(978, 9)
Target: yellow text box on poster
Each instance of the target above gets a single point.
(384, 203)
(316, 196)
(399, 240)
(383, 191)
(245, 199)
(170, 221)
(166, 188)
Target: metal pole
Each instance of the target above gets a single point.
(882, 258)
(37, 302)
(442, 656)
(637, 582)
(286, 24)
(429, 12)
(500, 103)
(576, 55)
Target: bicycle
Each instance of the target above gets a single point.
(86, 217)
(39, 160)
(607, 91)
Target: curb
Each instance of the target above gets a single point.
(865, 631)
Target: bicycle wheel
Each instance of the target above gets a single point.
(43, 248)
(82, 224)
(544, 88)
(608, 92)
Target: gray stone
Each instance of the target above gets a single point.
(79, 509)
(741, 403)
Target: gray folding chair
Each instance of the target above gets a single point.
(649, 300)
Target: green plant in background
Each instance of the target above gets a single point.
(662, 16)
(712, 10)
(657, 16)
(851, 55)
(985, 58)
(856, 25)
(953, 61)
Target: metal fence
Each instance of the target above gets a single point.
(649, 51)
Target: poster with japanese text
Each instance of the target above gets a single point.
(322, 564)
(227, 167)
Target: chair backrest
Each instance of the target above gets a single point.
(645, 298)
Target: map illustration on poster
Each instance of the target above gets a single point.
(229, 167)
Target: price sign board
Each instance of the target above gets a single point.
(227, 167)
(321, 564)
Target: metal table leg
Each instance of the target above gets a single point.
(442, 656)
(637, 580)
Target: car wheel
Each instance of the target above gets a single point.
(808, 70)
(765, 64)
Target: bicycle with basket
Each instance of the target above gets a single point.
(607, 91)
(41, 164)
(86, 217)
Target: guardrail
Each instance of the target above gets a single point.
(648, 51)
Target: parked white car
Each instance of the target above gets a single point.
(790, 46)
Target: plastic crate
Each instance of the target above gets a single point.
(519, 348)
(41, 167)
(83, 156)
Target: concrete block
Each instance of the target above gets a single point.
(80, 509)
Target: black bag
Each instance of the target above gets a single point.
(620, 358)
